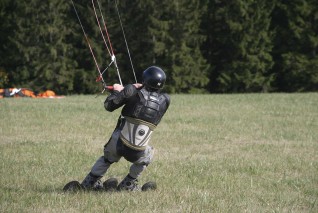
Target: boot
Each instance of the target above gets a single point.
(92, 182)
(129, 183)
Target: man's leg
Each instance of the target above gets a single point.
(93, 179)
(130, 182)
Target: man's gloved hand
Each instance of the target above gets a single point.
(118, 87)
(138, 85)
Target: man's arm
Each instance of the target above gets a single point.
(119, 96)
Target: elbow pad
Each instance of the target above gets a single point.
(127, 92)
(109, 103)
(117, 98)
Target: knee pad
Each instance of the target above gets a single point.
(107, 161)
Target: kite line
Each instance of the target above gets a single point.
(107, 43)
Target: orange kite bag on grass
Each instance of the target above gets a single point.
(23, 92)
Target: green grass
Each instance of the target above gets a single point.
(214, 153)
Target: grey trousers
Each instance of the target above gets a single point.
(112, 155)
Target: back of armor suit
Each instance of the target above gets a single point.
(149, 106)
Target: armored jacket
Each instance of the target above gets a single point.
(142, 112)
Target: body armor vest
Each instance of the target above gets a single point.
(141, 116)
(148, 108)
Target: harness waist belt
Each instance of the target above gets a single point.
(136, 133)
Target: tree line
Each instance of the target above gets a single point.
(205, 46)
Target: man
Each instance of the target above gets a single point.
(143, 107)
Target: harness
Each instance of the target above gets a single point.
(136, 133)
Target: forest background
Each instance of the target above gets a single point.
(205, 46)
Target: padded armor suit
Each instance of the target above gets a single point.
(142, 112)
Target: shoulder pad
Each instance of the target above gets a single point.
(167, 98)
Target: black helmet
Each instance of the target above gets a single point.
(154, 77)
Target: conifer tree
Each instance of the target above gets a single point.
(239, 45)
(7, 55)
(296, 45)
(41, 55)
(177, 39)
(232, 45)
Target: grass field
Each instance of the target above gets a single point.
(214, 153)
